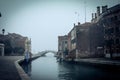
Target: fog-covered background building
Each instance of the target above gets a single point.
(15, 44)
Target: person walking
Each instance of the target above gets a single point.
(27, 56)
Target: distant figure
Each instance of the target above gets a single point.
(27, 56)
(30, 55)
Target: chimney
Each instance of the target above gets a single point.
(74, 24)
(92, 16)
(78, 23)
(95, 15)
(104, 8)
(98, 11)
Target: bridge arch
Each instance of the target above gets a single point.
(47, 51)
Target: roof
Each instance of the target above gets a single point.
(112, 10)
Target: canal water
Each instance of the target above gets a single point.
(47, 68)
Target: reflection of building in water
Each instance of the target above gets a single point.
(27, 68)
(66, 71)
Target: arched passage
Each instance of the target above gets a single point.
(50, 54)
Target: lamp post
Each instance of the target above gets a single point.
(3, 31)
(2, 45)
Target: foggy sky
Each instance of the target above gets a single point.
(44, 20)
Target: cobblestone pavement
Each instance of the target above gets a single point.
(8, 70)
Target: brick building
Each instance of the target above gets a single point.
(86, 40)
(82, 40)
(109, 19)
(72, 43)
(111, 22)
(98, 38)
(62, 46)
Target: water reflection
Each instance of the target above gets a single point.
(47, 68)
(73, 71)
(27, 67)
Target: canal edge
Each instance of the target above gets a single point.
(20, 70)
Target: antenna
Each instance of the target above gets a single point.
(76, 13)
(85, 10)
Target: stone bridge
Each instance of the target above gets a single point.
(42, 53)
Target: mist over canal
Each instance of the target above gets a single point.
(47, 68)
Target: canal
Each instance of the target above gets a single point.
(47, 68)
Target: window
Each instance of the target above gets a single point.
(65, 42)
(106, 51)
(111, 41)
(112, 19)
(117, 29)
(117, 41)
(117, 51)
(119, 17)
(106, 31)
(116, 18)
(111, 30)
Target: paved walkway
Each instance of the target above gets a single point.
(101, 61)
(8, 69)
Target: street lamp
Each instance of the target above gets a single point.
(3, 31)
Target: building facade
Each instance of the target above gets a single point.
(15, 44)
(98, 38)
(111, 22)
(109, 19)
(72, 43)
(83, 42)
(63, 46)
(86, 40)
